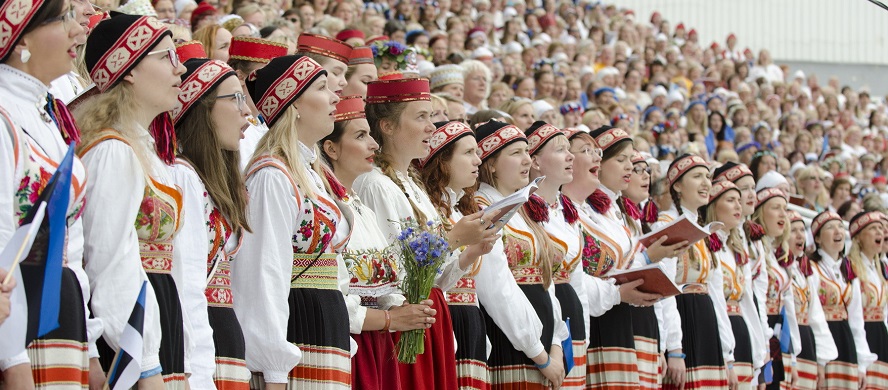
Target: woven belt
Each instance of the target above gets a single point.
(157, 258)
(463, 293)
(528, 275)
(734, 308)
(323, 275)
(873, 314)
(802, 318)
(835, 313)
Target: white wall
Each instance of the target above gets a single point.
(849, 31)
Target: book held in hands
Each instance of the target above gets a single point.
(681, 229)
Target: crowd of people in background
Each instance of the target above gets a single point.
(254, 162)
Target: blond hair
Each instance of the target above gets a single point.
(282, 141)
(855, 254)
(772, 243)
(112, 111)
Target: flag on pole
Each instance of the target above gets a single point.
(42, 268)
(127, 365)
(15, 328)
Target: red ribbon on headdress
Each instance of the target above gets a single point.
(805, 266)
(537, 209)
(161, 128)
(599, 201)
(631, 209)
(650, 212)
(570, 212)
(754, 231)
(63, 117)
(335, 186)
(783, 258)
(848, 270)
(714, 243)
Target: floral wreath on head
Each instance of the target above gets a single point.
(403, 56)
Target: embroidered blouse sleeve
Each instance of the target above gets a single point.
(518, 320)
(672, 319)
(855, 320)
(261, 275)
(717, 294)
(10, 172)
(190, 255)
(114, 194)
(823, 340)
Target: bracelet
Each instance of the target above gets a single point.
(647, 258)
(676, 355)
(543, 366)
(388, 320)
(731, 366)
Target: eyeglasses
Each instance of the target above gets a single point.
(239, 97)
(174, 58)
(639, 170)
(591, 152)
(66, 17)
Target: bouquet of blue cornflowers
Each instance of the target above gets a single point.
(423, 252)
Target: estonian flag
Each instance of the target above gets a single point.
(127, 365)
(41, 269)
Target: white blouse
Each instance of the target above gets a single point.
(601, 294)
(385, 198)
(572, 264)
(759, 273)
(192, 247)
(23, 97)
(831, 269)
(518, 320)
(114, 194)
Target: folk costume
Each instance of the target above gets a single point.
(206, 244)
(35, 136)
(141, 195)
(290, 278)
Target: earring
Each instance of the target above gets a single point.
(26, 56)
(297, 115)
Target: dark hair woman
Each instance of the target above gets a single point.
(210, 119)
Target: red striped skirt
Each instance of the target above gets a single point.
(612, 360)
(511, 369)
(877, 338)
(842, 373)
(701, 343)
(60, 358)
(647, 346)
(572, 308)
(228, 339)
(471, 352)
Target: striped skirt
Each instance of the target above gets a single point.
(780, 362)
(743, 366)
(436, 367)
(647, 346)
(172, 342)
(59, 359)
(842, 372)
(374, 367)
(510, 368)
(471, 354)
(877, 338)
(613, 363)
(318, 325)
(572, 308)
(228, 339)
(705, 363)
(806, 361)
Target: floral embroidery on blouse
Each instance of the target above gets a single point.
(595, 262)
